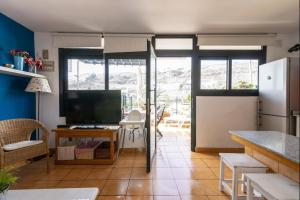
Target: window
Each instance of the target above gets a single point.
(229, 72)
(174, 43)
(213, 74)
(80, 70)
(129, 75)
(86, 74)
(244, 74)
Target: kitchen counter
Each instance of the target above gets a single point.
(279, 151)
(277, 142)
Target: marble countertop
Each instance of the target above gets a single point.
(57, 194)
(277, 142)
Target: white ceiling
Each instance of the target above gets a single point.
(155, 16)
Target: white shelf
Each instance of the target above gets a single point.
(14, 72)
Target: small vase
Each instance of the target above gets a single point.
(32, 68)
(19, 62)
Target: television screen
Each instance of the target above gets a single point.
(93, 107)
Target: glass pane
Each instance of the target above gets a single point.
(129, 75)
(86, 74)
(174, 43)
(174, 85)
(153, 116)
(227, 47)
(213, 74)
(244, 74)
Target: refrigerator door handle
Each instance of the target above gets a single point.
(258, 124)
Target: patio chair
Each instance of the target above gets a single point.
(159, 117)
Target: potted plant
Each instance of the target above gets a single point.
(33, 64)
(6, 179)
(19, 57)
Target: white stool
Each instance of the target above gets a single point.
(272, 186)
(239, 163)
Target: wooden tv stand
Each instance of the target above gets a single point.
(110, 132)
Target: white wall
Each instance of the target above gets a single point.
(49, 103)
(287, 41)
(217, 115)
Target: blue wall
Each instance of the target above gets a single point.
(14, 101)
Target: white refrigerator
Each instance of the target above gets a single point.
(279, 96)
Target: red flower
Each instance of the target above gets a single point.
(37, 63)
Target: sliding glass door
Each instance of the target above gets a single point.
(151, 121)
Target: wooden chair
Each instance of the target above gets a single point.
(15, 143)
(272, 186)
(239, 163)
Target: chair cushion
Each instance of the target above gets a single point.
(22, 144)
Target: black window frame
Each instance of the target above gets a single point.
(229, 55)
(125, 55)
(69, 53)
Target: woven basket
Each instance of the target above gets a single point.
(65, 153)
(86, 153)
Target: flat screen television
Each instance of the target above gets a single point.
(93, 107)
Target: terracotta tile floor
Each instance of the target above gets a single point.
(177, 174)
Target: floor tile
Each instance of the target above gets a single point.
(77, 174)
(203, 173)
(175, 155)
(166, 197)
(219, 197)
(111, 198)
(181, 173)
(190, 187)
(160, 163)
(99, 173)
(115, 187)
(140, 173)
(227, 172)
(162, 173)
(139, 197)
(68, 184)
(165, 187)
(93, 183)
(120, 173)
(212, 162)
(45, 184)
(125, 163)
(195, 163)
(139, 163)
(56, 174)
(140, 187)
(211, 187)
(193, 197)
(178, 163)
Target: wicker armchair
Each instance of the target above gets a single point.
(18, 130)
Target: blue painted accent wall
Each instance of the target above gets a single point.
(14, 101)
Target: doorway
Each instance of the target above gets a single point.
(174, 97)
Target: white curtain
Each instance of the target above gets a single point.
(239, 40)
(118, 43)
(73, 40)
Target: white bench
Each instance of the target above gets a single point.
(239, 163)
(272, 187)
(54, 194)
